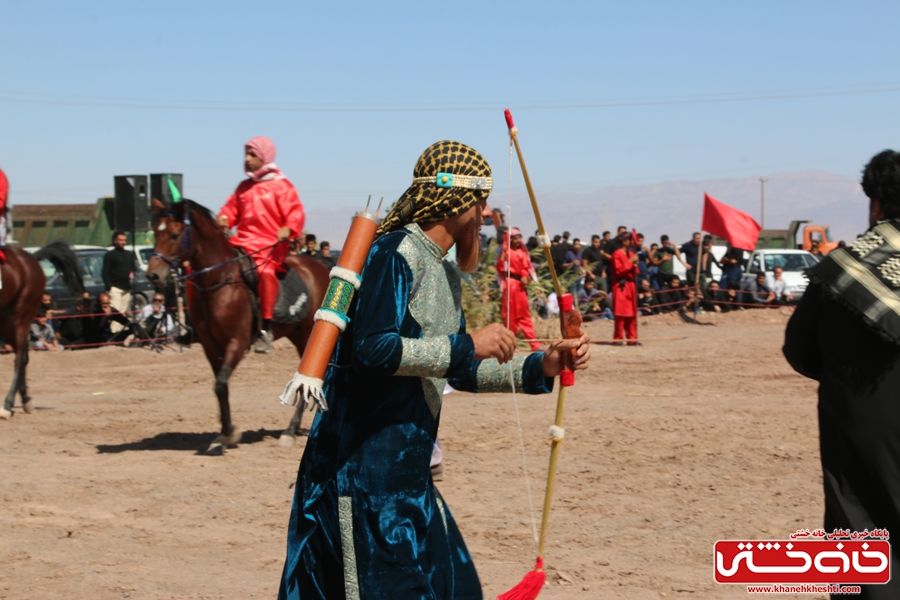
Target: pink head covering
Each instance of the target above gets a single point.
(514, 232)
(265, 150)
(263, 147)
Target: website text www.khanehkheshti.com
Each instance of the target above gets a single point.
(803, 588)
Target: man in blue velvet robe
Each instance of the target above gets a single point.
(367, 521)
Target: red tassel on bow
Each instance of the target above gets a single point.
(530, 586)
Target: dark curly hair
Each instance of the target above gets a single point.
(881, 181)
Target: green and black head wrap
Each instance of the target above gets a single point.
(449, 178)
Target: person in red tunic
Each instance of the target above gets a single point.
(264, 209)
(5, 230)
(624, 294)
(514, 306)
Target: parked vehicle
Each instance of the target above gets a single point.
(91, 259)
(787, 238)
(793, 262)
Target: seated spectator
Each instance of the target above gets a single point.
(692, 304)
(711, 298)
(4, 347)
(74, 326)
(310, 246)
(674, 297)
(730, 299)
(778, 285)
(101, 325)
(646, 299)
(156, 322)
(49, 305)
(756, 293)
(324, 255)
(593, 302)
(42, 335)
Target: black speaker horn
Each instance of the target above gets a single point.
(132, 205)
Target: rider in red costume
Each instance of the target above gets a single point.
(264, 209)
(4, 210)
(515, 307)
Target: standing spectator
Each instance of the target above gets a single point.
(48, 304)
(557, 254)
(515, 307)
(641, 252)
(573, 266)
(664, 261)
(311, 246)
(652, 269)
(157, 323)
(691, 252)
(757, 294)
(732, 266)
(778, 285)
(707, 261)
(624, 294)
(592, 261)
(844, 335)
(42, 335)
(118, 271)
(607, 247)
(815, 251)
(646, 299)
(325, 255)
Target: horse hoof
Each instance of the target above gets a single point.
(286, 440)
(5, 414)
(232, 438)
(28, 406)
(217, 448)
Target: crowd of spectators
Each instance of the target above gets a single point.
(320, 251)
(587, 268)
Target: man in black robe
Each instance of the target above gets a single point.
(845, 334)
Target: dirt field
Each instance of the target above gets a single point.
(669, 447)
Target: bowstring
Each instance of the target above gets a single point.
(512, 378)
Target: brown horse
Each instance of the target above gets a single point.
(23, 282)
(221, 303)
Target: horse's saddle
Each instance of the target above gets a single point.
(292, 305)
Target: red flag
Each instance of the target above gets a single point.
(734, 225)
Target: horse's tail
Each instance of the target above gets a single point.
(62, 256)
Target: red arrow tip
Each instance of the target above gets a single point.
(509, 119)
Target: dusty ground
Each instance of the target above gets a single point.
(669, 447)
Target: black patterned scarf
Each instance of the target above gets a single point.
(865, 277)
(428, 200)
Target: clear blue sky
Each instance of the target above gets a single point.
(603, 93)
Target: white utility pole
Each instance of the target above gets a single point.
(762, 202)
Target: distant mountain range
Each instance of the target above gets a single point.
(672, 207)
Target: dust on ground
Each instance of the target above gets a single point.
(705, 434)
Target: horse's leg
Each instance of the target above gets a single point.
(298, 336)
(20, 341)
(21, 363)
(229, 436)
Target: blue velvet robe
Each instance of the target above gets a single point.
(367, 521)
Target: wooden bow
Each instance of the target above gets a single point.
(570, 319)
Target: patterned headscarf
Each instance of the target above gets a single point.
(427, 200)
